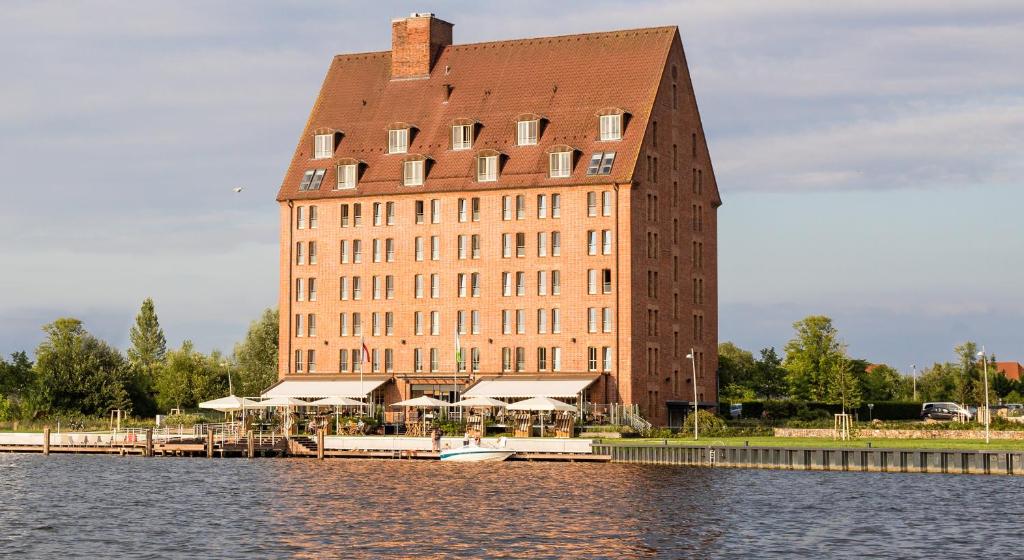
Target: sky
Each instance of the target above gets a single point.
(869, 155)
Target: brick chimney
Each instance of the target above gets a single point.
(416, 42)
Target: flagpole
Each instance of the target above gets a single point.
(455, 372)
(363, 357)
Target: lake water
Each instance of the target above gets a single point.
(81, 506)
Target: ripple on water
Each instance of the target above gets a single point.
(80, 506)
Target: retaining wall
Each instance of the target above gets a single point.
(901, 434)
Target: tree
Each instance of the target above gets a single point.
(16, 377)
(1002, 385)
(841, 383)
(938, 383)
(968, 384)
(883, 383)
(812, 357)
(187, 378)
(735, 367)
(771, 376)
(256, 356)
(146, 354)
(77, 372)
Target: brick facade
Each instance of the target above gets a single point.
(660, 210)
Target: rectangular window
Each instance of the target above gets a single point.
(506, 208)
(560, 164)
(520, 321)
(475, 356)
(591, 358)
(435, 286)
(435, 248)
(591, 242)
(487, 168)
(312, 289)
(463, 240)
(542, 206)
(556, 243)
(474, 319)
(417, 359)
(311, 180)
(420, 209)
(592, 319)
(300, 294)
(556, 282)
(506, 284)
(475, 246)
(475, 204)
(520, 283)
(389, 213)
(606, 319)
(435, 323)
(462, 137)
(475, 284)
(556, 206)
(389, 250)
(435, 360)
(542, 358)
(592, 281)
(311, 325)
(556, 358)
(357, 287)
(298, 325)
(413, 176)
(389, 287)
(520, 244)
(417, 323)
(300, 256)
(506, 245)
(606, 203)
(463, 284)
(298, 361)
(463, 210)
(506, 359)
(542, 283)
(389, 360)
(375, 360)
(389, 323)
(506, 321)
(542, 244)
(520, 207)
(357, 250)
(378, 250)
(343, 251)
(342, 324)
(607, 361)
(342, 360)
(526, 132)
(375, 323)
(556, 320)
(435, 211)
(542, 321)
(460, 321)
(343, 212)
(606, 242)
(343, 287)
(357, 214)
(418, 248)
(606, 280)
(520, 358)
(378, 214)
(418, 286)
(357, 324)
(300, 216)
(313, 217)
(591, 204)
(377, 287)
(347, 176)
(398, 141)
(595, 163)
(611, 127)
(323, 146)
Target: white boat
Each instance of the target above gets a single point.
(472, 453)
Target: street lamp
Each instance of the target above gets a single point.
(693, 361)
(988, 412)
(871, 408)
(914, 377)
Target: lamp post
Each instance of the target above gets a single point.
(871, 408)
(988, 412)
(914, 377)
(693, 361)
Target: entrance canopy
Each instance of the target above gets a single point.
(315, 388)
(529, 387)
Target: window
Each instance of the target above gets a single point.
(506, 283)
(526, 132)
(300, 256)
(311, 179)
(606, 203)
(475, 246)
(419, 211)
(342, 360)
(542, 358)
(313, 217)
(611, 127)
(344, 215)
(520, 283)
(542, 244)
(417, 359)
(389, 287)
(435, 248)
(398, 141)
(520, 358)
(556, 358)
(463, 210)
(377, 250)
(506, 359)
(375, 322)
(377, 287)
(435, 323)
(591, 242)
(606, 281)
(591, 204)
(591, 358)
(487, 168)
(298, 324)
(606, 319)
(347, 176)
(435, 211)
(556, 243)
(357, 287)
(463, 240)
(343, 287)
(417, 323)
(506, 321)
(462, 137)
(413, 173)
(389, 250)
(300, 294)
(592, 281)
(474, 319)
(506, 208)
(556, 282)
(460, 321)
(520, 321)
(506, 245)
(542, 206)
(556, 205)
(592, 319)
(357, 250)
(323, 146)
(298, 361)
(607, 362)
(463, 284)
(606, 242)
(560, 165)
(556, 320)
(435, 286)
(520, 207)
(542, 283)
(476, 209)
(418, 248)
(520, 244)
(601, 163)
(475, 284)
(389, 213)
(418, 286)
(542, 321)
(389, 360)
(312, 252)
(342, 324)
(378, 214)
(312, 289)
(475, 357)
(357, 324)
(435, 362)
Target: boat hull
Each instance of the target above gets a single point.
(476, 455)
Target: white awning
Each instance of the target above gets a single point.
(311, 388)
(528, 387)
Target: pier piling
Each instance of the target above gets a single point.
(149, 442)
(250, 448)
(46, 440)
(209, 443)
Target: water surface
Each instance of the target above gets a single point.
(83, 506)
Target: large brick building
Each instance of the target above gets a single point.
(550, 199)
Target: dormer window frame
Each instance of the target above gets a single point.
(462, 136)
(523, 132)
(610, 127)
(414, 171)
(311, 179)
(560, 162)
(487, 167)
(323, 145)
(347, 171)
(398, 140)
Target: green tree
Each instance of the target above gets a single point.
(256, 356)
(146, 354)
(1002, 385)
(188, 377)
(968, 384)
(841, 384)
(736, 366)
(882, 383)
(77, 372)
(938, 383)
(771, 376)
(812, 357)
(16, 377)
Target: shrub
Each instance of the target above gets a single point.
(891, 410)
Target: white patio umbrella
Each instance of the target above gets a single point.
(229, 403)
(481, 402)
(337, 402)
(285, 403)
(543, 404)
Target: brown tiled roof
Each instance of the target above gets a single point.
(567, 80)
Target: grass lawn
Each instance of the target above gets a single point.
(878, 443)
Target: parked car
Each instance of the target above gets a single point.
(945, 411)
(736, 410)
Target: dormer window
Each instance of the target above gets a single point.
(323, 146)
(348, 175)
(560, 164)
(527, 132)
(462, 136)
(611, 127)
(311, 180)
(413, 173)
(601, 163)
(487, 168)
(398, 141)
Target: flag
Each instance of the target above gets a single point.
(458, 349)
(365, 353)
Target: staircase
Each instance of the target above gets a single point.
(630, 416)
(302, 445)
